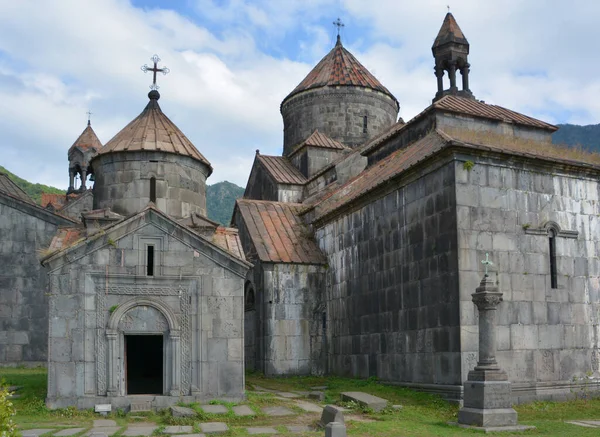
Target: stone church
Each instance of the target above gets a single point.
(367, 236)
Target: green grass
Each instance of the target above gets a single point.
(422, 414)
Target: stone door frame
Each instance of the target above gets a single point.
(116, 347)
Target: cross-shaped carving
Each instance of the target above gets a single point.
(155, 70)
(486, 262)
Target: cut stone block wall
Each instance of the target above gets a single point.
(392, 295)
(546, 336)
(25, 230)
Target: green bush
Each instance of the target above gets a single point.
(8, 428)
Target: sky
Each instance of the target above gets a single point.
(233, 61)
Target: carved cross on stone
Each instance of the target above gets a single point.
(155, 70)
(486, 262)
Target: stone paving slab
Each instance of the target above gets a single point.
(277, 411)
(243, 410)
(288, 395)
(586, 423)
(177, 429)
(214, 427)
(139, 430)
(35, 432)
(298, 428)
(104, 422)
(177, 411)
(261, 430)
(214, 409)
(192, 435)
(107, 430)
(309, 406)
(375, 403)
(68, 432)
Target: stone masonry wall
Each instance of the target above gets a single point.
(546, 336)
(392, 298)
(338, 112)
(205, 298)
(292, 319)
(123, 183)
(23, 283)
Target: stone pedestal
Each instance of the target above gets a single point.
(487, 391)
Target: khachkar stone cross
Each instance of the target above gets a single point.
(487, 391)
(155, 59)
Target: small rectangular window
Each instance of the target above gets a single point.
(150, 260)
(553, 275)
(153, 189)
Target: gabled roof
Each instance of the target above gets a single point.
(153, 131)
(281, 169)
(450, 32)
(340, 68)
(7, 186)
(319, 139)
(463, 105)
(87, 140)
(278, 234)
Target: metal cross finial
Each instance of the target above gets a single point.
(448, 8)
(486, 262)
(155, 70)
(89, 114)
(339, 24)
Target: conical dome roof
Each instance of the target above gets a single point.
(339, 68)
(87, 140)
(450, 32)
(153, 131)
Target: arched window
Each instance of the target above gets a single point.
(552, 253)
(249, 297)
(153, 189)
(365, 124)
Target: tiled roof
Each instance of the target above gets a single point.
(56, 200)
(87, 140)
(339, 68)
(153, 131)
(229, 240)
(7, 186)
(282, 169)
(319, 139)
(277, 232)
(450, 32)
(463, 105)
(65, 237)
(380, 173)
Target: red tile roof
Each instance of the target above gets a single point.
(229, 240)
(56, 200)
(449, 32)
(319, 139)
(153, 131)
(277, 232)
(7, 186)
(463, 105)
(87, 140)
(65, 237)
(339, 68)
(282, 169)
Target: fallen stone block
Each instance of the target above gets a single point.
(177, 411)
(317, 395)
(335, 429)
(331, 414)
(365, 400)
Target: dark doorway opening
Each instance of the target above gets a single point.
(144, 369)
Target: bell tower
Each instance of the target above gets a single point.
(451, 52)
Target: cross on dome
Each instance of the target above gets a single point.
(155, 70)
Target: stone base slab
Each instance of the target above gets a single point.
(488, 417)
(487, 394)
(486, 429)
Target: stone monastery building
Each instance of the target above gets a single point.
(355, 253)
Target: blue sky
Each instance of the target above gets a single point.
(233, 61)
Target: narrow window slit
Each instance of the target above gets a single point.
(553, 275)
(153, 189)
(365, 122)
(150, 260)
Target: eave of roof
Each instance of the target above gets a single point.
(281, 169)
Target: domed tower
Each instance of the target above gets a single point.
(341, 99)
(80, 155)
(151, 160)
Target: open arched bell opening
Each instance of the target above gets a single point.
(144, 350)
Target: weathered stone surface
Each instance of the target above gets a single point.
(214, 427)
(318, 395)
(277, 411)
(68, 432)
(178, 429)
(214, 409)
(104, 422)
(106, 430)
(308, 406)
(133, 431)
(335, 429)
(178, 411)
(366, 400)
(298, 428)
(35, 432)
(288, 395)
(586, 423)
(261, 430)
(330, 414)
(243, 410)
